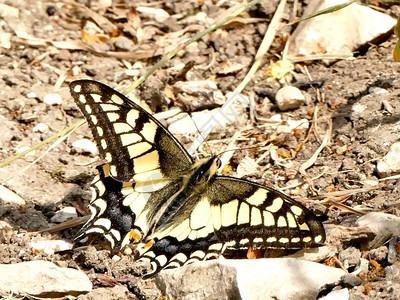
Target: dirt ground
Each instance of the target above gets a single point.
(46, 53)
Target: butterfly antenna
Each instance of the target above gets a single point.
(200, 133)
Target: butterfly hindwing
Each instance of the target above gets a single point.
(248, 214)
(234, 214)
(136, 146)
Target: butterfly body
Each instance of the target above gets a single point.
(151, 193)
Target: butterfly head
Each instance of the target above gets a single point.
(204, 170)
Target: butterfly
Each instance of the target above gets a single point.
(152, 194)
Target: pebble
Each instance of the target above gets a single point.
(350, 256)
(41, 127)
(85, 146)
(42, 279)
(378, 253)
(390, 164)
(52, 99)
(31, 95)
(50, 246)
(9, 197)
(350, 280)
(197, 95)
(64, 214)
(124, 44)
(157, 14)
(289, 97)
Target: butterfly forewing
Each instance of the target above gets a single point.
(136, 146)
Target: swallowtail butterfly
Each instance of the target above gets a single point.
(176, 211)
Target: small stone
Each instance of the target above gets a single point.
(9, 197)
(378, 253)
(50, 246)
(31, 95)
(64, 214)
(198, 95)
(52, 99)
(393, 272)
(41, 127)
(289, 97)
(123, 43)
(85, 146)
(157, 14)
(42, 279)
(390, 164)
(350, 256)
(350, 280)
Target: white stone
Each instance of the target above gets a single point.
(42, 278)
(50, 246)
(356, 25)
(52, 99)
(9, 197)
(31, 95)
(289, 97)
(41, 127)
(85, 145)
(64, 214)
(268, 278)
(390, 164)
(156, 14)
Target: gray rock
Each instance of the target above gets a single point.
(350, 256)
(289, 97)
(197, 95)
(9, 197)
(380, 223)
(124, 44)
(268, 278)
(390, 163)
(319, 35)
(378, 253)
(42, 279)
(64, 214)
(350, 280)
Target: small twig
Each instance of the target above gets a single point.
(46, 141)
(314, 157)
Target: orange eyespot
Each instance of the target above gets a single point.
(134, 235)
